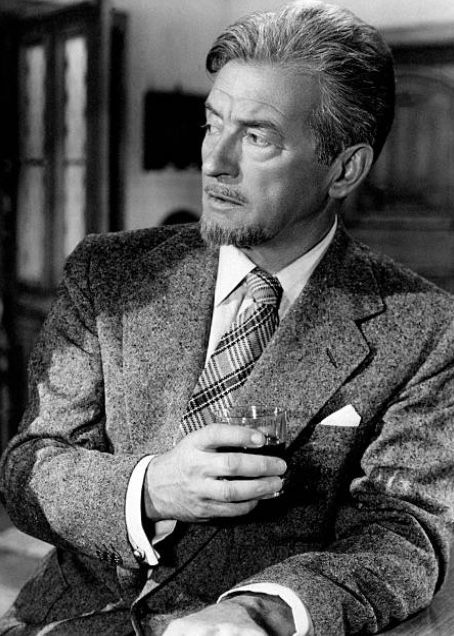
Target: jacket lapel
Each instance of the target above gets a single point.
(165, 336)
(319, 344)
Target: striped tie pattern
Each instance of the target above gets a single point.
(237, 351)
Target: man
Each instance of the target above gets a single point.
(117, 462)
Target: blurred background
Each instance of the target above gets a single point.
(100, 112)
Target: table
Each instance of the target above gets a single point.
(436, 620)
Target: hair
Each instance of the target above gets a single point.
(350, 58)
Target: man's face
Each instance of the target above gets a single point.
(262, 182)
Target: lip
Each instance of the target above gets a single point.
(217, 199)
(223, 202)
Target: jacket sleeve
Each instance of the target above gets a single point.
(391, 549)
(60, 479)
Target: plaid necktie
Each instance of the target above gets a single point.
(237, 351)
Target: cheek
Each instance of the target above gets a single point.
(204, 150)
(265, 179)
(283, 183)
(281, 186)
(286, 195)
(303, 180)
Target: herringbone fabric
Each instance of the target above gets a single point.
(237, 351)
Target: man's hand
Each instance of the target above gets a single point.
(194, 482)
(242, 615)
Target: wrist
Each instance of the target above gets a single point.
(148, 506)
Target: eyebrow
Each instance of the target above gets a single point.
(250, 123)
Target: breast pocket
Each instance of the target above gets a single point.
(323, 465)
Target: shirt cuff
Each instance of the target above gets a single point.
(301, 616)
(142, 548)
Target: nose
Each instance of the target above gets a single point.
(221, 156)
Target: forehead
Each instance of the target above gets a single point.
(244, 89)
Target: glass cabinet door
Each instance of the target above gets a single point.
(74, 144)
(33, 183)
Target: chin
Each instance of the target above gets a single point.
(215, 234)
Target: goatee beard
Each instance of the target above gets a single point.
(247, 236)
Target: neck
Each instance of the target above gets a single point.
(289, 245)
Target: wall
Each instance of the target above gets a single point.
(168, 41)
(381, 13)
(403, 13)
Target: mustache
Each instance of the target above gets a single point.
(225, 192)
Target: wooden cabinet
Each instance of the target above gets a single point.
(64, 122)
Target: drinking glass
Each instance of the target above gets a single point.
(270, 420)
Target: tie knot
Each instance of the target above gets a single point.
(263, 287)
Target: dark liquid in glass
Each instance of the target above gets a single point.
(272, 448)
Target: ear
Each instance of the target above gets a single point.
(350, 168)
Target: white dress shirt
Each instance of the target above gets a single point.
(229, 301)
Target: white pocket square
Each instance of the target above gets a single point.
(346, 416)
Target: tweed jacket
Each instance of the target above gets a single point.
(362, 532)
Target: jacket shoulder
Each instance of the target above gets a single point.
(134, 241)
(116, 250)
(393, 276)
(403, 291)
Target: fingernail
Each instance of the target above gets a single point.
(273, 495)
(257, 439)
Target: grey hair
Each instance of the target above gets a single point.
(353, 64)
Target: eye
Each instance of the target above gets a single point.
(211, 128)
(257, 139)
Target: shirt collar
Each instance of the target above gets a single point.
(234, 265)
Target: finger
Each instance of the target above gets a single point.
(226, 464)
(213, 436)
(230, 510)
(243, 490)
